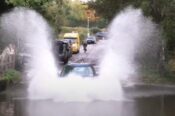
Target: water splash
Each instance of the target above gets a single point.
(33, 35)
(126, 34)
(131, 36)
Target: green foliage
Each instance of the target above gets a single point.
(52, 11)
(104, 8)
(57, 12)
(157, 79)
(28, 3)
(109, 8)
(152, 76)
(66, 13)
(11, 76)
(45, 7)
(94, 30)
(102, 23)
(74, 14)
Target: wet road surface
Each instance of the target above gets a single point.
(140, 100)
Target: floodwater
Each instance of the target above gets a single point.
(141, 100)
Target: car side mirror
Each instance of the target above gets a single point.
(96, 74)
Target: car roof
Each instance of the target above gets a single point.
(60, 42)
(79, 64)
(73, 34)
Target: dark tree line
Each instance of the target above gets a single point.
(161, 11)
(4, 7)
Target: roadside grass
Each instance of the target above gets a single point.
(154, 77)
(11, 76)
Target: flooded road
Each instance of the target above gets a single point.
(141, 100)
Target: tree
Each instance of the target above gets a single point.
(161, 11)
(4, 6)
(50, 9)
(76, 14)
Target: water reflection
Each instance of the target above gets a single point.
(50, 108)
(7, 107)
(155, 105)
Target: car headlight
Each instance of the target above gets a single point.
(74, 45)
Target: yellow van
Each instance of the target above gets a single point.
(74, 38)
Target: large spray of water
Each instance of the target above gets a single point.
(126, 34)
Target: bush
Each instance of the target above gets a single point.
(94, 30)
(11, 76)
(154, 77)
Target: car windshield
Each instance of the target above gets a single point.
(70, 40)
(91, 38)
(84, 71)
